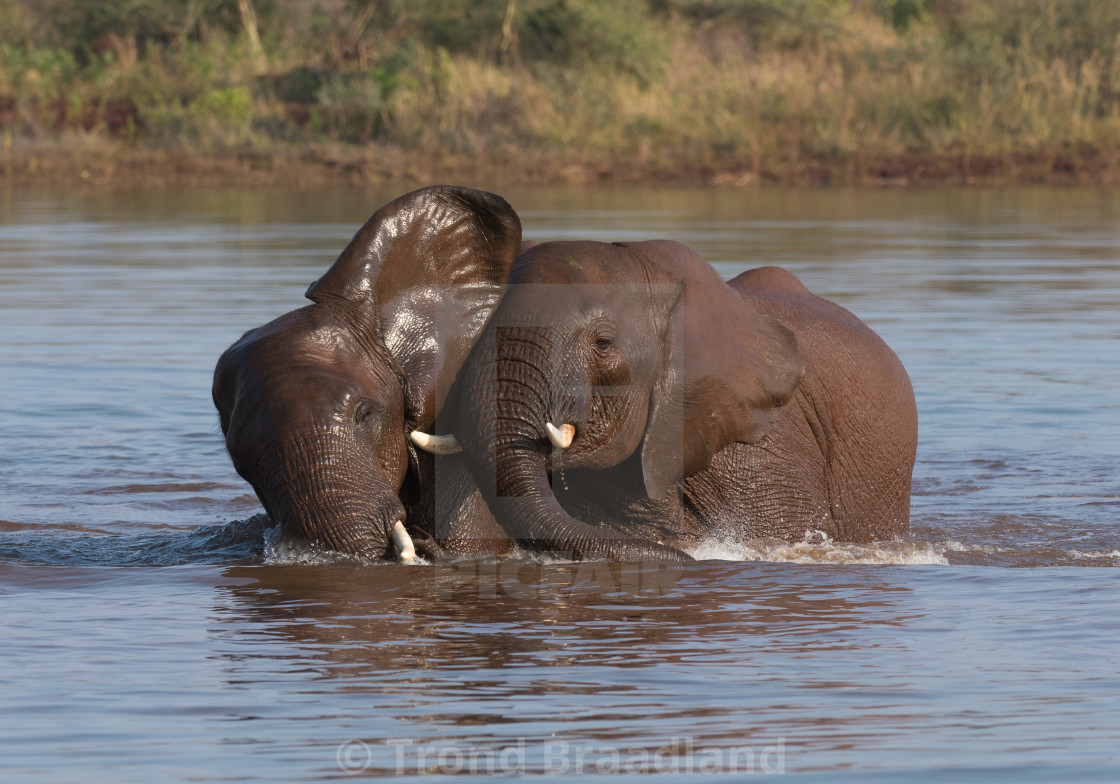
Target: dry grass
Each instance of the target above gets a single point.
(864, 102)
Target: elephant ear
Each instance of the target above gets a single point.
(725, 368)
(424, 275)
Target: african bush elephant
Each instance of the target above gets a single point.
(317, 406)
(665, 407)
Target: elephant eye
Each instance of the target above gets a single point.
(363, 411)
(603, 343)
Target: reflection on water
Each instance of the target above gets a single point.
(841, 667)
(277, 673)
(248, 656)
(483, 657)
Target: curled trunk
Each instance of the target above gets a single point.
(502, 426)
(527, 507)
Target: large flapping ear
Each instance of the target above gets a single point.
(725, 368)
(428, 269)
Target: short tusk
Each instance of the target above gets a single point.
(437, 445)
(405, 550)
(561, 437)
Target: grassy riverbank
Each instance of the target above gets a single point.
(729, 92)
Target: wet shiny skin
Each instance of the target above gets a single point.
(251, 657)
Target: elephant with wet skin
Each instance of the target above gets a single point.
(320, 407)
(625, 402)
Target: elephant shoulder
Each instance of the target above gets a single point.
(768, 279)
(780, 295)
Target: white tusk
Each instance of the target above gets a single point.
(405, 551)
(561, 438)
(437, 445)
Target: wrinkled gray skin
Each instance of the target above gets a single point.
(702, 409)
(316, 406)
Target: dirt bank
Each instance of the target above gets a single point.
(98, 162)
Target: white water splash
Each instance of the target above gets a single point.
(953, 546)
(283, 550)
(817, 548)
(1094, 554)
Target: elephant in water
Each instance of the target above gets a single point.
(317, 407)
(625, 402)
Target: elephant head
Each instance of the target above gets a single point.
(632, 357)
(317, 406)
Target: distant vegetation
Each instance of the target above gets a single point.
(725, 90)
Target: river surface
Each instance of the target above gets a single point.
(154, 628)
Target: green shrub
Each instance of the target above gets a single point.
(713, 83)
(351, 107)
(613, 36)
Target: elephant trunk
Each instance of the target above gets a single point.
(334, 507)
(528, 509)
(502, 426)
